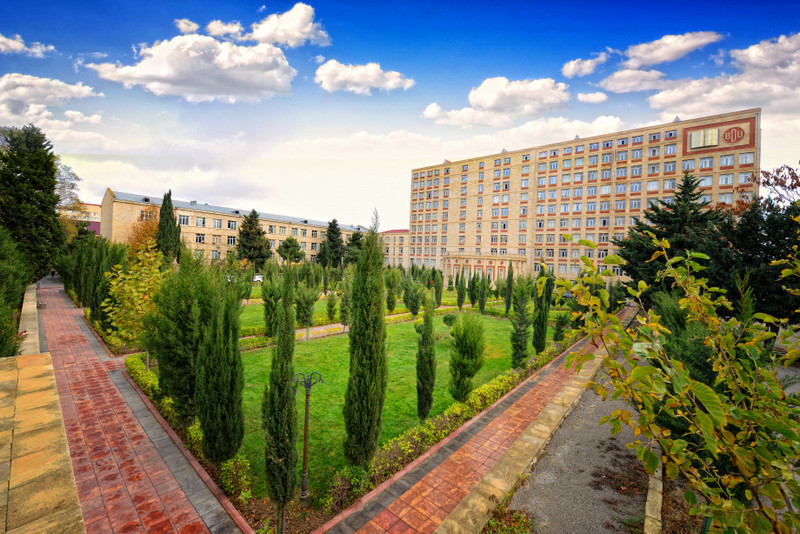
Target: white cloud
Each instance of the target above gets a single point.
(217, 28)
(668, 48)
(630, 80)
(319, 59)
(200, 68)
(583, 67)
(359, 79)
(77, 116)
(17, 46)
(186, 26)
(592, 98)
(292, 28)
(499, 101)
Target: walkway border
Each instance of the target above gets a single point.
(29, 322)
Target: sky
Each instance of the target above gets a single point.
(321, 110)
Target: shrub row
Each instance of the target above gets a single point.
(348, 485)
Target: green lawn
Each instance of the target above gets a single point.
(329, 356)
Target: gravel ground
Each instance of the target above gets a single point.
(566, 492)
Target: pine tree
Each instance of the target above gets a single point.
(392, 279)
(426, 363)
(472, 290)
(466, 354)
(483, 293)
(270, 295)
(366, 388)
(347, 293)
(28, 198)
(353, 247)
(252, 244)
(438, 287)
(168, 237)
(330, 306)
(332, 249)
(461, 291)
(520, 322)
(411, 296)
(542, 292)
(278, 411)
(306, 298)
(220, 377)
(509, 287)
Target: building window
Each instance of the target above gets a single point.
(727, 198)
(669, 184)
(671, 149)
(215, 254)
(200, 238)
(199, 221)
(726, 179)
(217, 223)
(592, 160)
(183, 220)
(231, 225)
(653, 168)
(231, 239)
(745, 177)
(746, 158)
(687, 165)
(669, 166)
(725, 161)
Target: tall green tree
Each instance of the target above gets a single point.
(253, 244)
(466, 354)
(483, 293)
(366, 388)
(520, 324)
(278, 411)
(306, 297)
(331, 251)
(509, 288)
(168, 237)
(461, 290)
(14, 271)
(271, 296)
(542, 294)
(438, 287)
(353, 248)
(426, 363)
(220, 377)
(392, 279)
(290, 251)
(346, 305)
(473, 289)
(412, 295)
(28, 198)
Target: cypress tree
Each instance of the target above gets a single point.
(483, 293)
(509, 287)
(332, 249)
(366, 388)
(346, 302)
(330, 306)
(306, 298)
(543, 291)
(461, 291)
(472, 290)
(252, 243)
(220, 378)
(520, 321)
(426, 363)
(392, 279)
(411, 296)
(271, 295)
(466, 354)
(168, 236)
(278, 412)
(438, 287)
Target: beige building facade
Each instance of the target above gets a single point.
(210, 230)
(517, 208)
(396, 250)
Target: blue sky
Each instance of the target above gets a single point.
(321, 110)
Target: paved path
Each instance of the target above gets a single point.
(438, 493)
(130, 476)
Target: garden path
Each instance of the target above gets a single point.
(451, 488)
(130, 476)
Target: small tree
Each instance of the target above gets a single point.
(411, 296)
(271, 295)
(331, 251)
(472, 290)
(426, 363)
(220, 377)
(542, 293)
(392, 279)
(252, 243)
(461, 291)
(330, 306)
(509, 287)
(305, 300)
(346, 304)
(278, 412)
(145, 230)
(168, 236)
(483, 293)
(520, 324)
(466, 354)
(290, 251)
(438, 287)
(353, 247)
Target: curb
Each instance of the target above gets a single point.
(652, 508)
(209, 482)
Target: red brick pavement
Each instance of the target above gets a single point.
(123, 484)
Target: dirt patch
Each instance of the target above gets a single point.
(675, 511)
(627, 478)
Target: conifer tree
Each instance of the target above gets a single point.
(461, 290)
(168, 236)
(252, 244)
(483, 293)
(542, 293)
(346, 303)
(520, 322)
(438, 287)
(426, 363)
(220, 377)
(278, 412)
(332, 248)
(392, 279)
(366, 388)
(306, 298)
(472, 290)
(271, 295)
(509, 287)
(330, 306)
(466, 354)
(411, 296)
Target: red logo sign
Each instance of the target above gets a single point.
(733, 135)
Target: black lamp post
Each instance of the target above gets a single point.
(307, 382)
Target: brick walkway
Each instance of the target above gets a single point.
(422, 498)
(123, 483)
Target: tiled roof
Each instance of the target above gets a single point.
(194, 205)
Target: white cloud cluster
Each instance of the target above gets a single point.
(77, 116)
(629, 80)
(499, 101)
(202, 69)
(186, 26)
(583, 67)
(592, 98)
(217, 28)
(17, 46)
(25, 98)
(292, 28)
(359, 79)
(668, 48)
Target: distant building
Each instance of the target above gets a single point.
(485, 213)
(89, 213)
(395, 243)
(210, 230)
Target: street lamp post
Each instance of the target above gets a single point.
(307, 381)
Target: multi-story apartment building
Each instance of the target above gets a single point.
(208, 229)
(485, 213)
(395, 243)
(89, 213)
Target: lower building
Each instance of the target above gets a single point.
(395, 243)
(89, 213)
(210, 230)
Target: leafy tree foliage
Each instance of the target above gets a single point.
(509, 288)
(542, 294)
(278, 411)
(28, 198)
(483, 293)
(168, 236)
(438, 286)
(472, 290)
(145, 230)
(290, 251)
(220, 376)
(520, 324)
(68, 199)
(392, 279)
(412, 295)
(253, 244)
(466, 354)
(330, 306)
(782, 183)
(14, 274)
(353, 248)
(345, 306)
(461, 290)
(271, 296)
(366, 388)
(331, 250)
(306, 298)
(426, 363)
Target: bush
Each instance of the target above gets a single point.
(146, 380)
(251, 331)
(466, 356)
(10, 339)
(235, 475)
(449, 319)
(194, 439)
(562, 322)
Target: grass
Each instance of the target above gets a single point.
(330, 357)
